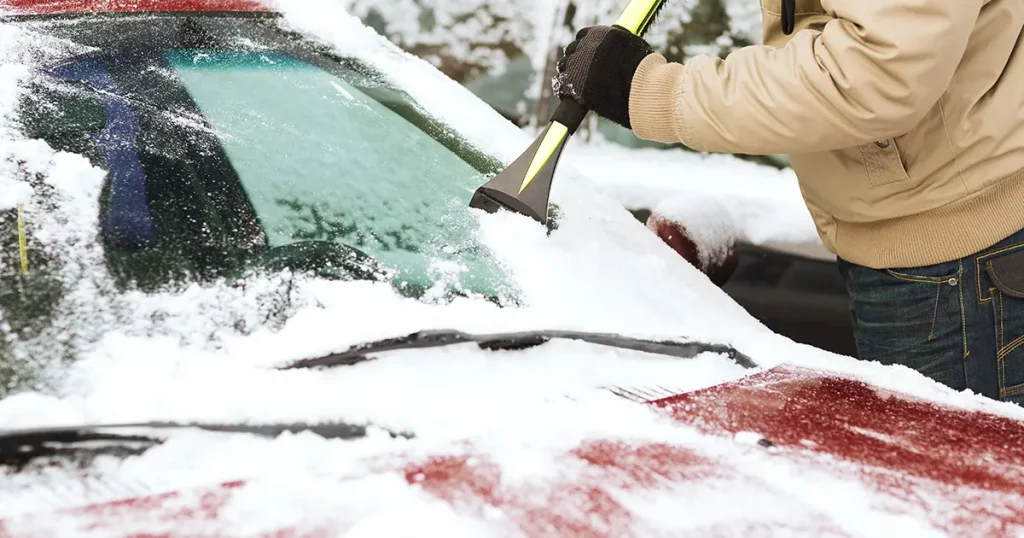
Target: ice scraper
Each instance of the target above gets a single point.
(525, 186)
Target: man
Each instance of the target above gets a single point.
(904, 120)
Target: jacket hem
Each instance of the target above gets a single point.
(951, 232)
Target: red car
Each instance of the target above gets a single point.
(228, 216)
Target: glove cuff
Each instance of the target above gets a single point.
(652, 99)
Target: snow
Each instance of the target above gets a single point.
(185, 329)
(329, 23)
(745, 18)
(471, 30)
(758, 203)
(174, 355)
(482, 32)
(12, 193)
(707, 222)
(476, 37)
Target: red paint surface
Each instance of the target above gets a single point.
(646, 466)
(46, 7)
(191, 514)
(209, 505)
(961, 471)
(583, 502)
(964, 471)
(471, 484)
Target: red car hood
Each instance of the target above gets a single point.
(957, 472)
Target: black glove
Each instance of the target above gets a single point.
(597, 70)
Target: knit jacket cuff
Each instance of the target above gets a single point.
(654, 101)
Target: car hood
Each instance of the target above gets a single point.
(790, 451)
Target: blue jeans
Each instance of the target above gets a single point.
(960, 323)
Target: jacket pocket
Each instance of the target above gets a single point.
(883, 162)
(1006, 288)
(810, 15)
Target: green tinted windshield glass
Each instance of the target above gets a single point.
(322, 160)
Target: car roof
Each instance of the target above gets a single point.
(57, 7)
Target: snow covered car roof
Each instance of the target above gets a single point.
(528, 435)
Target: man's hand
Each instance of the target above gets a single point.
(597, 70)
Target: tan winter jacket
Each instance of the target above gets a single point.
(904, 119)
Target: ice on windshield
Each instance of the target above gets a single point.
(320, 160)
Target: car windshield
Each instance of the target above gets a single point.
(231, 146)
(321, 160)
(276, 153)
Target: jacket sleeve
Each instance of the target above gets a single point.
(873, 72)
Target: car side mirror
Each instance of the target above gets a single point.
(719, 269)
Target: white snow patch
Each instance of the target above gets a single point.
(763, 204)
(13, 193)
(707, 222)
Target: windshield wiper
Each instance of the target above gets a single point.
(518, 341)
(20, 447)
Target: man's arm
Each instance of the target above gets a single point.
(871, 73)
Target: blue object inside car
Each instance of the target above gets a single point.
(128, 224)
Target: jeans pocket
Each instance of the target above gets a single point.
(911, 317)
(1006, 288)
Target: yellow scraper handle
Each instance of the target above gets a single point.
(569, 116)
(524, 186)
(22, 241)
(638, 15)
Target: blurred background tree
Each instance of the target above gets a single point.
(505, 50)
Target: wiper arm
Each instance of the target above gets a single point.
(20, 447)
(517, 341)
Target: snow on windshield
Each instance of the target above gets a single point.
(600, 271)
(272, 320)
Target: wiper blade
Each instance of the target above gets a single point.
(20, 447)
(517, 341)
